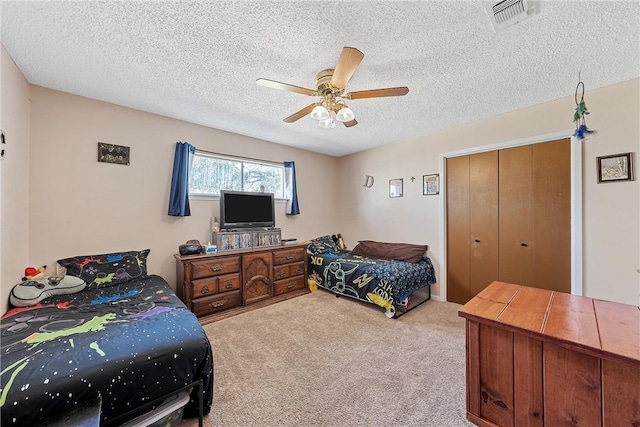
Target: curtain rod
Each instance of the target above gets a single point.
(230, 156)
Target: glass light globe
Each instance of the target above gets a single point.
(319, 113)
(327, 123)
(345, 115)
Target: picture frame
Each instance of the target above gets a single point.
(430, 184)
(615, 168)
(395, 187)
(111, 153)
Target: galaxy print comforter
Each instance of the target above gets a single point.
(381, 282)
(129, 343)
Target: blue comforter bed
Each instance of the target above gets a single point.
(129, 343)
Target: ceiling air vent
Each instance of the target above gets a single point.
(508, 12)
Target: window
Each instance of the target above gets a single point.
(211, 173)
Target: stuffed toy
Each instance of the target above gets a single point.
(32, 272)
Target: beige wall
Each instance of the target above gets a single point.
(611, 211)
(14, 176)
(76, 205)
(80, 206)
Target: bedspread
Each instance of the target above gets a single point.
(129, 343)
(382, 282)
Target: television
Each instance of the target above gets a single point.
(239, 209)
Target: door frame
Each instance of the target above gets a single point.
(576, 200)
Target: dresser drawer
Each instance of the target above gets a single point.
(297, 269)
(213, 304)
(205, 287)
(229, 282)
(215, 284)
(288, 285)
(289, 256)
(281, 272)
(215, 267)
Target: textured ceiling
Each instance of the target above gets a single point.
(198, 61)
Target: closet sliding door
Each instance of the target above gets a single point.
(516, 216)
(472, 224)
(509, 219)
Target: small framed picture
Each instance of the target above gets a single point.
(430, 184)
(395, 187)
(112, 153)
(616, 167)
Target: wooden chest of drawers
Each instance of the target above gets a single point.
(231, 281)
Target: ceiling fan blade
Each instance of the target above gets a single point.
(351, 123)
(378, 93)
(300, 114)
(285, 86)
(349, 60)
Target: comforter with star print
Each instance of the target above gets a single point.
(130, 344)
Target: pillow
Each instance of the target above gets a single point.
(107, 269)
(390, 251)
(323, 245)
(31, 292)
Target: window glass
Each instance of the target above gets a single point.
(209, 174)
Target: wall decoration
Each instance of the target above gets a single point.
(111, 153)
(395, 187)
(616, 167)
(430, 184)
(581, 111)
(2, 142)
(368, 181)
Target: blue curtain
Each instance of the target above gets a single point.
(290, 189)
(179, 197)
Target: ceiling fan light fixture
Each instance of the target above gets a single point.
(320, 113)
(345, 114)
(328, 123)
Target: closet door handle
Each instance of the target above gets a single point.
(523, 244)
(476, 240)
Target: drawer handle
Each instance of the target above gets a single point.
(205, 290)
(229, 284)
(217, 267)
(282, 274)
(298, 270)
(289, 257)
(217, 304)
(290, 285)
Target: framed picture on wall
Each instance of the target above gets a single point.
(616, 167)
(430, 184)
(395, 187)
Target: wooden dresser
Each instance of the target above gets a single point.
(535, 357)
(226, 283)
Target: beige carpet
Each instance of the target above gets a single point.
(318, 360)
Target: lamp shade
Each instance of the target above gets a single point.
(319, 113)
(327, 123)
(345, 115)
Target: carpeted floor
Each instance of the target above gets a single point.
(318, 360)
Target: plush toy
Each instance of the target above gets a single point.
(32, 272)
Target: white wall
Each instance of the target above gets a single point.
(14, 176)
(80, 206)
(611, 215)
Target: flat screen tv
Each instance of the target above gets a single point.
(239, 209)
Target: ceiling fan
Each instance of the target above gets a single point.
(330, 86)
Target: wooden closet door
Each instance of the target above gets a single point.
(458, 289)
(483, 220)
(516, 216)
(552, 215)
